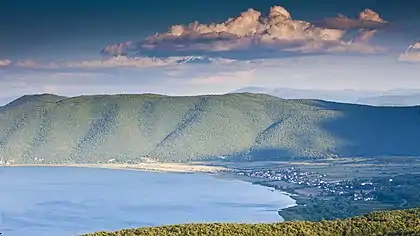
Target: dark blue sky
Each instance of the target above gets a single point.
(66, 27)
(64, 39)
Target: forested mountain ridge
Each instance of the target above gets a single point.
(243, 126)
(391, 223)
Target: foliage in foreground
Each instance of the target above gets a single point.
(398, 222)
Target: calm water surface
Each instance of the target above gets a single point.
(69, 201)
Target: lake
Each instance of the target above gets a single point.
(69, 201)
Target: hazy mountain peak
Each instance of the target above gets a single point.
(395, 97)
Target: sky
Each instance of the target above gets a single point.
(126, 46)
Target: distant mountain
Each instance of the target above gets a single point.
(253, 89)
(95, 129)
(396, 97)
(392, 100)
(347, 96)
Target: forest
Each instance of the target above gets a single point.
(392, 223)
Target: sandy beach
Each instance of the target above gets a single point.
(159, 167)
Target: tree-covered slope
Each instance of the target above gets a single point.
(391, 223)
(52, 129)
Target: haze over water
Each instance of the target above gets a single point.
(68, 201)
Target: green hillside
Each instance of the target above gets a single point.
(92, 129)
(401, 222)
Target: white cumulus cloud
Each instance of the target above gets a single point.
(250, 30)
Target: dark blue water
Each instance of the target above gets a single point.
(69, 201)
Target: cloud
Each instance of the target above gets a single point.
(367, 24)
(118, 62)
(118, 49)
(247, 37)
(277, 31)
(322, 72)
(32, 64)
(5, 63)
(121, 61)
(411, 54)
(28, 64)
(367, 20)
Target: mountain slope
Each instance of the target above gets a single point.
(6, 99)
(35, 99)
(240, 126)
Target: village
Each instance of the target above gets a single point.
(356, 190)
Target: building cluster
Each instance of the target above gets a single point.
(354, 189)
(290, 175)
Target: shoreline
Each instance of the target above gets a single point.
(181, 168)
(151, 167)
(296, 197)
